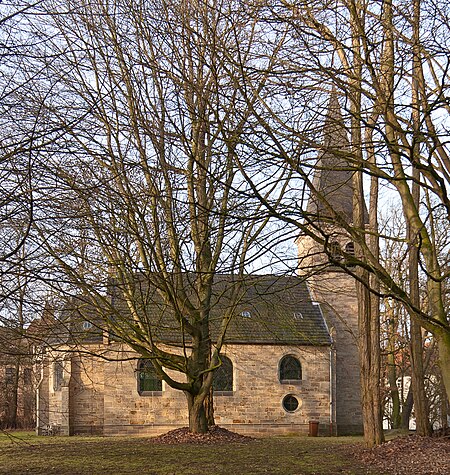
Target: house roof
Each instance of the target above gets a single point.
(269, 310)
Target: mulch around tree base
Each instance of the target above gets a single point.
(410, 455)
(215, 435)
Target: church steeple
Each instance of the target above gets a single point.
(332, 182)
(332, 288)
(334, 132)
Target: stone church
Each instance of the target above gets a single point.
(290, 355)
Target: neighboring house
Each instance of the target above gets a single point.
(17, 396)
(290, 355)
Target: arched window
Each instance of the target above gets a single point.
(350, 248)
(148, 379)
(290, 370)
(58, 375)
(223, 376)
(335, 251)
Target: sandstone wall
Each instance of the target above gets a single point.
(256, 404)
(104, 397)
(335, 291)
(86, 405)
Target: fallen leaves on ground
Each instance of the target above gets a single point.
(410, 455)
(215, 435)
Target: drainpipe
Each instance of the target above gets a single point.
(38, 387)
(333, 427)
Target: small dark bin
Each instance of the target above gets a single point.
(313, 428)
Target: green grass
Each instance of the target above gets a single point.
(26, 453)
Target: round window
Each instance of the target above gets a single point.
(290, 403)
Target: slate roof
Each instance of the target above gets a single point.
(271, 310)
(333, 174)
(281, 312)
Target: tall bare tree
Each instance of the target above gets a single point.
(142, 194)
(392, 77)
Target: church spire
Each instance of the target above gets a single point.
(332, 182)
(334, 131)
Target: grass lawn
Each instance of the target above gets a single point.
(26, 453)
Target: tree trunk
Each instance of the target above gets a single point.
(374, 300)
(392, 326)
(198, 423)
(416, 347)
(368, 321)
(416, 344)
(393, 388)
(369, 367)
(209, 408)
(423, 427)
(13, 398)
(369, 338)
(443, 343)
(209, 400)
(407, 409)
(444, 409)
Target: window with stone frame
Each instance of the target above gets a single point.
(148, 380)
(58, 375)
(290, 370)
(223, 376)
(290, 403)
